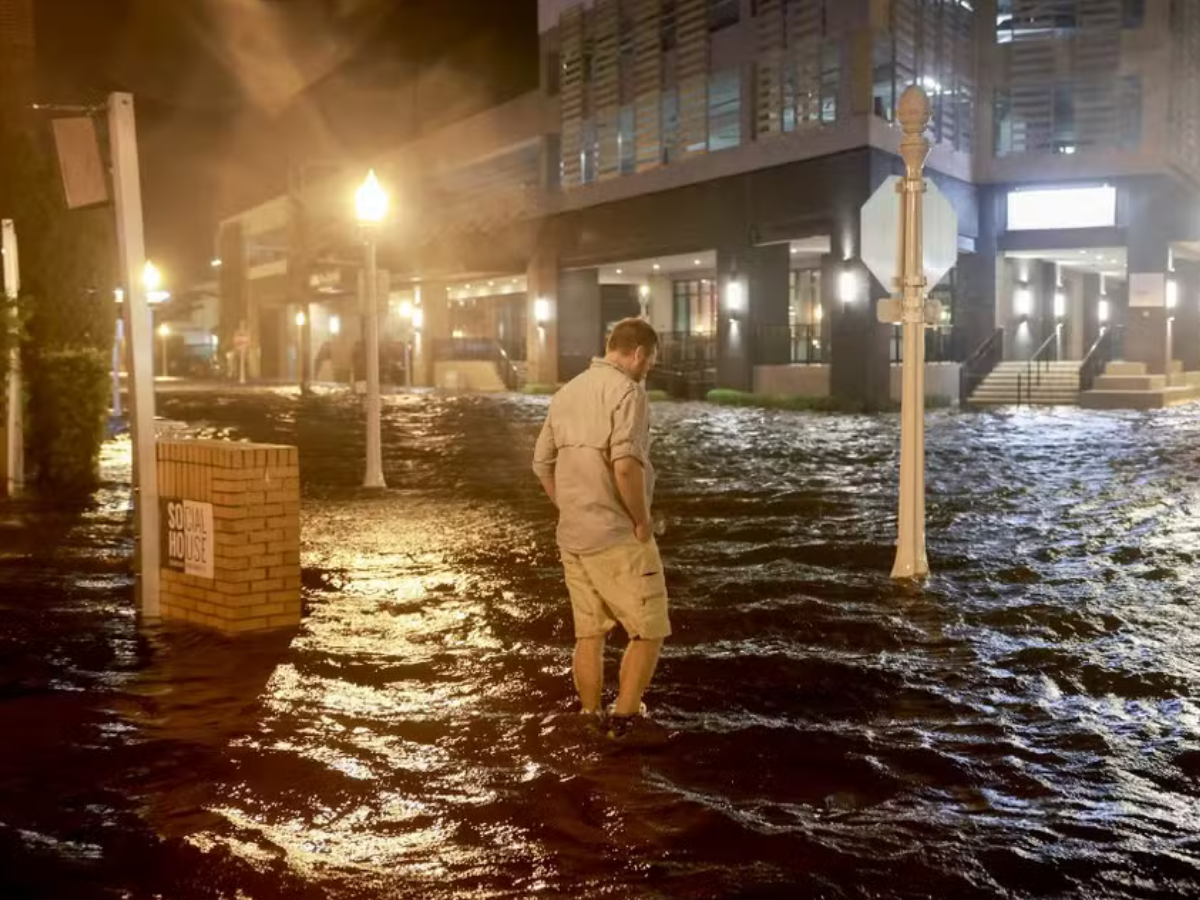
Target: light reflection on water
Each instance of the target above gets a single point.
(1025, 725)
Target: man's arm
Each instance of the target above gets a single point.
(544, 457)
(631, 485)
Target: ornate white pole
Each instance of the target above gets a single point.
(911, 561)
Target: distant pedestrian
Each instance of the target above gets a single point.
(593, 458)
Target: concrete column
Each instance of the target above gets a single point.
(1089, 302)
(860, 369)
(1148, 254)
(662, 303)
(1187, 315)
(435, 326)
(541, 337)
(752, 285)
(580, 324)
(1074, 288)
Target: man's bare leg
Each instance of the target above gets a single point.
(588, 670)
(637, 668)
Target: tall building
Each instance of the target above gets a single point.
(703, 162)
(16, 55)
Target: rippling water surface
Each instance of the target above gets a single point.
(1024, 725)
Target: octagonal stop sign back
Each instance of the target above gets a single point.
(881, 234)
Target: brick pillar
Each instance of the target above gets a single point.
(250, 496)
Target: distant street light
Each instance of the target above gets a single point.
(371, 206)
(152, 281)
(164, 332)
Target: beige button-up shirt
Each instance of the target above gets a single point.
(600, 416)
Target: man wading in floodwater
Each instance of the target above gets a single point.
(593, 459)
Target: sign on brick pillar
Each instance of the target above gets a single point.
(231, 533)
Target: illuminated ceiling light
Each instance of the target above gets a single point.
(657, 267)
(620, 272)
(793, 251)
(695, 262)
(216, 264)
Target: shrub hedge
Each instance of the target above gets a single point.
(68, 403)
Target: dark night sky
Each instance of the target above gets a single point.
(225, 89)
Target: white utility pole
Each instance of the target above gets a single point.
(122, 129)
(911, 561)
(15, 424)
(371, 204)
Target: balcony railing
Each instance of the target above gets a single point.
(940, 345)
(802, 345)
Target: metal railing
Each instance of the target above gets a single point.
(979, 365)
(1102, 352)
(802, 345)
(479, 350)
(687, 363)
(1041, 359)
(939, 344)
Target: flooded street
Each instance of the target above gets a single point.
(1027, 724)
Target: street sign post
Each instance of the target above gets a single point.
(909, 260)
(127, 188)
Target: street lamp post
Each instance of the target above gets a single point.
(371, 204)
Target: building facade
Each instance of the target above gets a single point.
(703, 163)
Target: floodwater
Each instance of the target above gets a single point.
(1027, 724)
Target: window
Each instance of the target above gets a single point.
(723, 13)
(724, 109)
(695, 305)
(1067, 117)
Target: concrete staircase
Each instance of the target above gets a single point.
(1059, 385)
(1127, 385)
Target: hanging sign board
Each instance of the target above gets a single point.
(187, 537)
(85, 182)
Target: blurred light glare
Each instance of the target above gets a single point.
(1102, 311)
(335, 325)
(1172, 293)
(541, 310)
(301, 319)
(371, 201)
(164, 329)
(151, 277)
(418, 319)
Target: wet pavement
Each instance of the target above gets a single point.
(1025, 725)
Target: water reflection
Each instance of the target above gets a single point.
(1024, 725)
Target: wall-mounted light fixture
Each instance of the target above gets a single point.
(847, 286)
(335, 325)
(1102, 311)
(1060, 305)
(735, 296)
(1023, 302)
(418, 319)
(541, 310)
(1172, 293)
(300, 319)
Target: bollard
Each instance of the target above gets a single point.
(230, 534)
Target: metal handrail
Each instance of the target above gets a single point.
(1035, 362)
(971, 375)
(1100, 354)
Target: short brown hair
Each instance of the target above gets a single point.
(629, 334)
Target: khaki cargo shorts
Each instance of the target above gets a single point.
(623, 583)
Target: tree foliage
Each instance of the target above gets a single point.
(68, 262)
